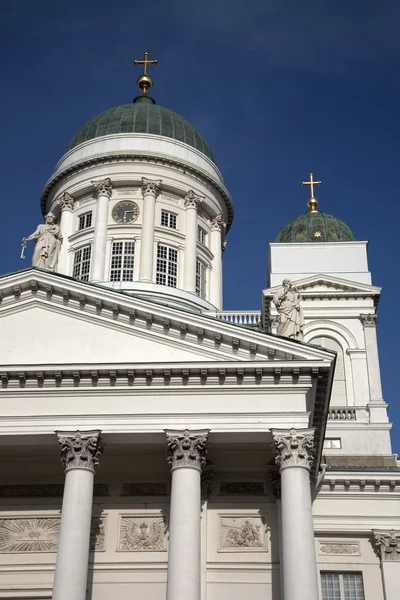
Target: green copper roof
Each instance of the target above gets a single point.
(142, 116)
(315, 227)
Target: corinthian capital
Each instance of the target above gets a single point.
(369, 320)
(102, 187)
(151, 186)
(193, 200)
(80, 450)
(387, 544)
(217, 224)
(187, 448)
(294, 448)
(66, 202)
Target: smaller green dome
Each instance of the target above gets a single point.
(315, 226)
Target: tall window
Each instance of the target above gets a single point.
(339, 395)
(201, 281)
(167, 266)
(342, 586)
(85, 221)
(168, 219)
(81, 268)
(122, 261)
(201, 235)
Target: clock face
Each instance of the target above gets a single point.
(125, 212)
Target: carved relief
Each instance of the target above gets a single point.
(80, 450)
(187, 449)
(151, 186)
(29, 535)
(44, 490)
(144, 489)
(241, 488)
(142, 534)
(66, 202)
(242, 534)
(217, 224)
(98, 534)
(368, 320)
(294, 447)
(193, 200)
(103, 187)
(387, 545)
(339, 549)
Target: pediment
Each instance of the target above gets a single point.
(328, 285)
(47, 318)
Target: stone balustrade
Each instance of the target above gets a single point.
(342, 414)
(252, 318)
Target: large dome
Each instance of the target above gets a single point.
(315, 226)
(142, 116)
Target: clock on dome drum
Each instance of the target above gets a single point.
(125, 212)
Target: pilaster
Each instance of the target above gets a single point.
(387, 546)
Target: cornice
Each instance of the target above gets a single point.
(142, 157)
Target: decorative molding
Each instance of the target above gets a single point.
(294, 448)
(187, 448)
(151, 187)
(217, 223)
(339, 549)
(193, 200)
(142, 534)
(368, 320)
(242, 534)
(387, 545)
(241, 488)
(102, 187)
(80, 450)
(66, 202)
(144, 489)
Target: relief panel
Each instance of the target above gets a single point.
(142, 534)
(242, 534)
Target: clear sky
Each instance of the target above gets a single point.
(279, 88)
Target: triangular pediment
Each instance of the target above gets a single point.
(47, 318)
(327, 285)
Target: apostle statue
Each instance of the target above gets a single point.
(287, 302)
(48, 244)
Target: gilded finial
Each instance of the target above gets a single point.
(313, 202)
(145, 82)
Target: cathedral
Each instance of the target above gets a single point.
(156, 446)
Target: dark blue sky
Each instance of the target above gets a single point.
(279, 88)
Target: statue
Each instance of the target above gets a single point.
(287, 302)
(48, 244)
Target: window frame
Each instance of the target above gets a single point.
(341, 575)
(201, 232)
(171, 272)
(201, 279)
(171, 218)
(81, 263)
(124, 256)
(85, 216)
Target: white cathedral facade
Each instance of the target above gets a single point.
(204, 454)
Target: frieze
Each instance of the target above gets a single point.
(242, 534)
(241, 488)
(44, 490)
(142, 534)
(339, 549)
(145, 489)
(26, 534)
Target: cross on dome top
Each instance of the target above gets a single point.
(145, 82)
(313, 202)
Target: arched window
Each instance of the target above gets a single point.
(339, 395)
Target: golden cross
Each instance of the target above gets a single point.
(145, 62)
(311, 183)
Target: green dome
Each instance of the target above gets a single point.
(142, 116)
(315, 227)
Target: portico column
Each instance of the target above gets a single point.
(66, 203)
(192, 201)
(217, 226)
(150, 191)
(371, 346)
(294, 454)
(80, 453)
(186, 455)
(103, 191)
(388, 548)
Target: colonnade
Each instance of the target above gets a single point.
(150, 192)
(187, 450)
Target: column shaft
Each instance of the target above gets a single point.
(150, 189)
(70, 580)
(192, 201)
(216, 273)
(371, 346)
(103, 192)
(66, 202)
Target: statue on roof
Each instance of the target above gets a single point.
(48, 244)
(287, 301)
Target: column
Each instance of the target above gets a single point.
(371, 346)
(192, 201)
(387, 544)
(217, 226)
(186, 455)
(103, 190)
(150, 191)
(294, 454)
(80, 453)
(66, 203)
